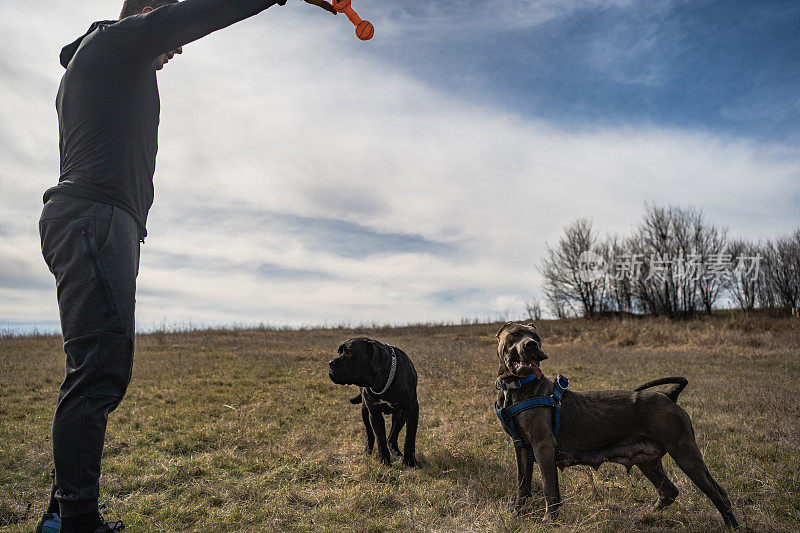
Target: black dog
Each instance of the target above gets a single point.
(388, 382)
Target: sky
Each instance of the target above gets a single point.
(307, 178)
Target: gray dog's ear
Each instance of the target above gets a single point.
(504, 326)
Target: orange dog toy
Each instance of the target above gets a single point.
(364, 28)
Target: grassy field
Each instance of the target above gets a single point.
(243, 431)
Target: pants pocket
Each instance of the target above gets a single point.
(102, 281)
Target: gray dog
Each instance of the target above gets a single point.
(633, 428)
(388, 382)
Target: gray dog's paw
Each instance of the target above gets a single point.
(521, 506)
(662, 502)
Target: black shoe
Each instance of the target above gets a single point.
(106, 527)
(51, 523)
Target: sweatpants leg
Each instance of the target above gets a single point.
(92, 249)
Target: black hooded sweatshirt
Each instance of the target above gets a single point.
(108, 105)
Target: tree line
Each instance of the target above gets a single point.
(675, 263)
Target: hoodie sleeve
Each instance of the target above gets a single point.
(173, 25)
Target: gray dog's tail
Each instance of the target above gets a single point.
(672, 392)
(356, 399)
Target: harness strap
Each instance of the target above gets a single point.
(528, 404)
(508, 427)
(518, 384)
(562, 384)
(507, 414)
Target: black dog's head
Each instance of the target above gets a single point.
(519, 349)
(361, 362)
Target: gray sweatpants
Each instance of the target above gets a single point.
(92, 249)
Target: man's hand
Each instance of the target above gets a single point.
(323, 4)
(163, 59)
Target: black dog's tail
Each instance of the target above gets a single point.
(672, 392)
(356, 399)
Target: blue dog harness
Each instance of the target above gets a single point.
(507, 414)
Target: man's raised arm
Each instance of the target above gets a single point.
(171, 26)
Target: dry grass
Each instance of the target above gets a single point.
(243, 431)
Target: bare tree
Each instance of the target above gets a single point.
(782, 270)
(747, 275)
(765, 292)
(569, 276)
(675, 263)
(558, 303)
(619, 292)
(684, 261)
(534, 309)
(711, 245)
(654, 242)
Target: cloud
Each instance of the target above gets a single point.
(323, 234)
(487, 17)
(303, 178)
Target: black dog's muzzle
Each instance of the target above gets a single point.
(333, 366)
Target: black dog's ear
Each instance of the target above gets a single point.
(532, 325)
(504, 326)
(380, 357)
(340, 349)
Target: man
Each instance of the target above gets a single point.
(94, 220)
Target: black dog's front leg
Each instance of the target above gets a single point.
(409, 448)
(398, 421)
(524, 476)
(379, 427)
(370, 441)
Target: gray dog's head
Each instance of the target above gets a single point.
(519, 348)
(361, 362)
